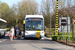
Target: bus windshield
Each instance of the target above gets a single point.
(3, 25)
(34, 24)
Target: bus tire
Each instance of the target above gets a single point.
(0, 35)
(4, 34)
(24, 37)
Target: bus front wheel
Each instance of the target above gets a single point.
(4, 34)
(0, 35)
(24, 37)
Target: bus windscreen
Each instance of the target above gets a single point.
(34, 24)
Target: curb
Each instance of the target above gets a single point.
(48, 38)
(68, 44)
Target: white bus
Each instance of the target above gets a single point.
(34, 26)
(3, 25)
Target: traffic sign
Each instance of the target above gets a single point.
(63, 22)
(23, 21)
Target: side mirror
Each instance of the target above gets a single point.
(45, 28)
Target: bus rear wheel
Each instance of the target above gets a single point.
(0, 35)
(4, 34)
(24, 37)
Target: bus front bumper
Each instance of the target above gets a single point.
(33, 36)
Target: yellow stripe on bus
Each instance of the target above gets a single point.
(38, 34)
(38, 31)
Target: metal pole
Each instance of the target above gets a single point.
(50, 20)
(68, 30)
(63, 33)
(72, 29)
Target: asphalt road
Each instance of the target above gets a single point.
(31, 44)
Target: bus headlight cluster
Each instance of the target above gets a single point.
(26, 33)
(42, 32)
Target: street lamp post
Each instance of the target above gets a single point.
(50, 20)
(50, 16)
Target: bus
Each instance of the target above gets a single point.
(34, 26)
(3, 25)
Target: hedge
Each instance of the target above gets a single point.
(60, 33)
(65, 36)
(7, 29)
(54, 37)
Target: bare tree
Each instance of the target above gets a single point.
(27, 7)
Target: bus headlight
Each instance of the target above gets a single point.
(26, 33)
(42, 32)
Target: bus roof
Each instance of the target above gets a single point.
(34, 16)
(3, 20)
